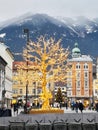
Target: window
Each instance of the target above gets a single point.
(78, 66)
(34, 91)
(69, 84)
(85, 74)
(20, 91)
(96, 82)
(15, 82)
(86, 84)
(85, 66)
(69, 93)
(34, 83)
(96, 91)
(38, 91)
(78, 93)
(78, 74)
(21, 82)
(69, 73)
(15, 91)
(78, 84)
(86, 93)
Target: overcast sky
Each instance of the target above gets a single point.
(67, 8)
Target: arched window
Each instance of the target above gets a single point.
(85, 66)
(78, 66)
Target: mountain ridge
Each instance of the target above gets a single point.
(70, 31)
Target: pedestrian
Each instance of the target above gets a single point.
(81, 107)
(11, 105)
(25, 108)
(66, 105)
(96, 106)
(15, 108)
(60, 105)
(76, 106)
(72, 105)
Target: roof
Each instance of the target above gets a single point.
(5, 47)
(3, 61)
(76, 49)
(82, 58)
(22, 63)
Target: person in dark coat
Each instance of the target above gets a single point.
(15, 108)
(81, 107)
(76, 106)
(66, 105)
(73, 105)
(96, 106)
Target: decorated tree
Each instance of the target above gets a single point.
(59, 96)
(50, 64)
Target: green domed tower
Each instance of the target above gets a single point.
(76, 51)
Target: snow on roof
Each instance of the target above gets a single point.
(3, 45)
(81, 58)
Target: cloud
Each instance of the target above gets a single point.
(67, 8)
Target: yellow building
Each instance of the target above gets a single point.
(79, 85)
(95, 84)
(19, 86)
(95, 89)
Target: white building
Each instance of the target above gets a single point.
(6, 60)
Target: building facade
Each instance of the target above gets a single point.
(79, 83)
(6, 60)
(95, 84)
(34, 87)
(2, 79)
(20, 81)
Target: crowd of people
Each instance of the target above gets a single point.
(79, 106)
(76, 106)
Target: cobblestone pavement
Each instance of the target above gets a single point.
(69, 110)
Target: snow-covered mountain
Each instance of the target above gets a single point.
(80, 29)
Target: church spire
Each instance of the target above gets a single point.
(76, 51)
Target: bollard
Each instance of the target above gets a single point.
(60, 126)
(17, 125)
(45, 126)
(4, 127)
(31, 127)
(74, 126)
(89, 126)
(96, 124)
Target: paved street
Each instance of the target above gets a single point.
(70, 115)
(69, 110)
(65, 111)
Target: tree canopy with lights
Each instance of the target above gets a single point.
(50, 60)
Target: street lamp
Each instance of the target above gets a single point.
(26, 31)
